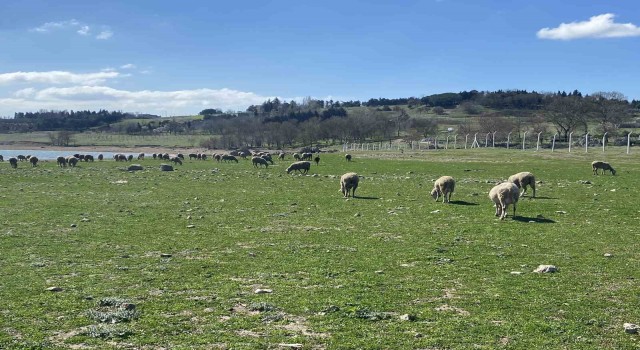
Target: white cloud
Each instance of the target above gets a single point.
(84, 30)
(152, 101)
(57, 77)
(104, 35)
(51, 26)
(72, 24)
(128, 66)
(601, 26)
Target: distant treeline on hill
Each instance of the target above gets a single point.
(67, 120)
(499, 100)
(566, 111)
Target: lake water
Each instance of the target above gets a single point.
(42, 155)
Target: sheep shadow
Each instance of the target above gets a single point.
(533, 219)
(543, 197)
(462, 203)
(359, 197)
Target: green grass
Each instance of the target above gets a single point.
(342, 272)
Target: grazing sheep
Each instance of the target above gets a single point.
(166, 156)
(130, 157)
(349, 183)
(257, 161)
(141, 156)
(181, 156)
(307, 156)
(522, 180)
(243, 154)
(88, 158)
(21, 157)
(267, 157)
(280, 156)
(317, 160)
(296, 156)
(444, 187)
(100, 157)
(33, 160)
(1, 158)
(602, 165)
(192, 156)
(62, 161)
(154, 156)
(502, 195)
(204, 156)
(176, 160)
(347, 157)
(229, 158)
(13, 162)
(302, 167)
(72, 161)
(217, 157)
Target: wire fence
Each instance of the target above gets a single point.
(526, 141)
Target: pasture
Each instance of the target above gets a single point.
(173, 260)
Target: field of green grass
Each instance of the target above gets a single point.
(173, 260)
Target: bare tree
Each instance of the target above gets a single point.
(567, 114)
(609, 110)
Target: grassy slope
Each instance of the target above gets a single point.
(330, 262)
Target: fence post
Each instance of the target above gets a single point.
(538, 143)
(571, 133)
(466, 138)
(486, 140)
(508, 139)
(446, 145)
(586, 143)
(604, 137)
(455, 141)
(553, 144)
(493, 140)
(628, 141)
(524, 138)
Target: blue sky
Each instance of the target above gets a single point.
(175, 58)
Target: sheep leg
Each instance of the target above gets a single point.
(533, 186)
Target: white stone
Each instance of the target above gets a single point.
(546, 269)
(631, 328)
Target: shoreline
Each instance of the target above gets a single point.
(96, 149)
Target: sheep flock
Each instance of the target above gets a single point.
(502, 195)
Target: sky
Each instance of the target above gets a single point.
(180, 57)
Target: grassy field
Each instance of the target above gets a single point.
(173, 260)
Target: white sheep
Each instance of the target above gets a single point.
(444, 187)
(349, 183)
(302, 167)
(602, 165)
(72, 161)
(257, 161)
(502, 195)
(522, 180)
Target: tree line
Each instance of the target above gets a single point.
(276, 123)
